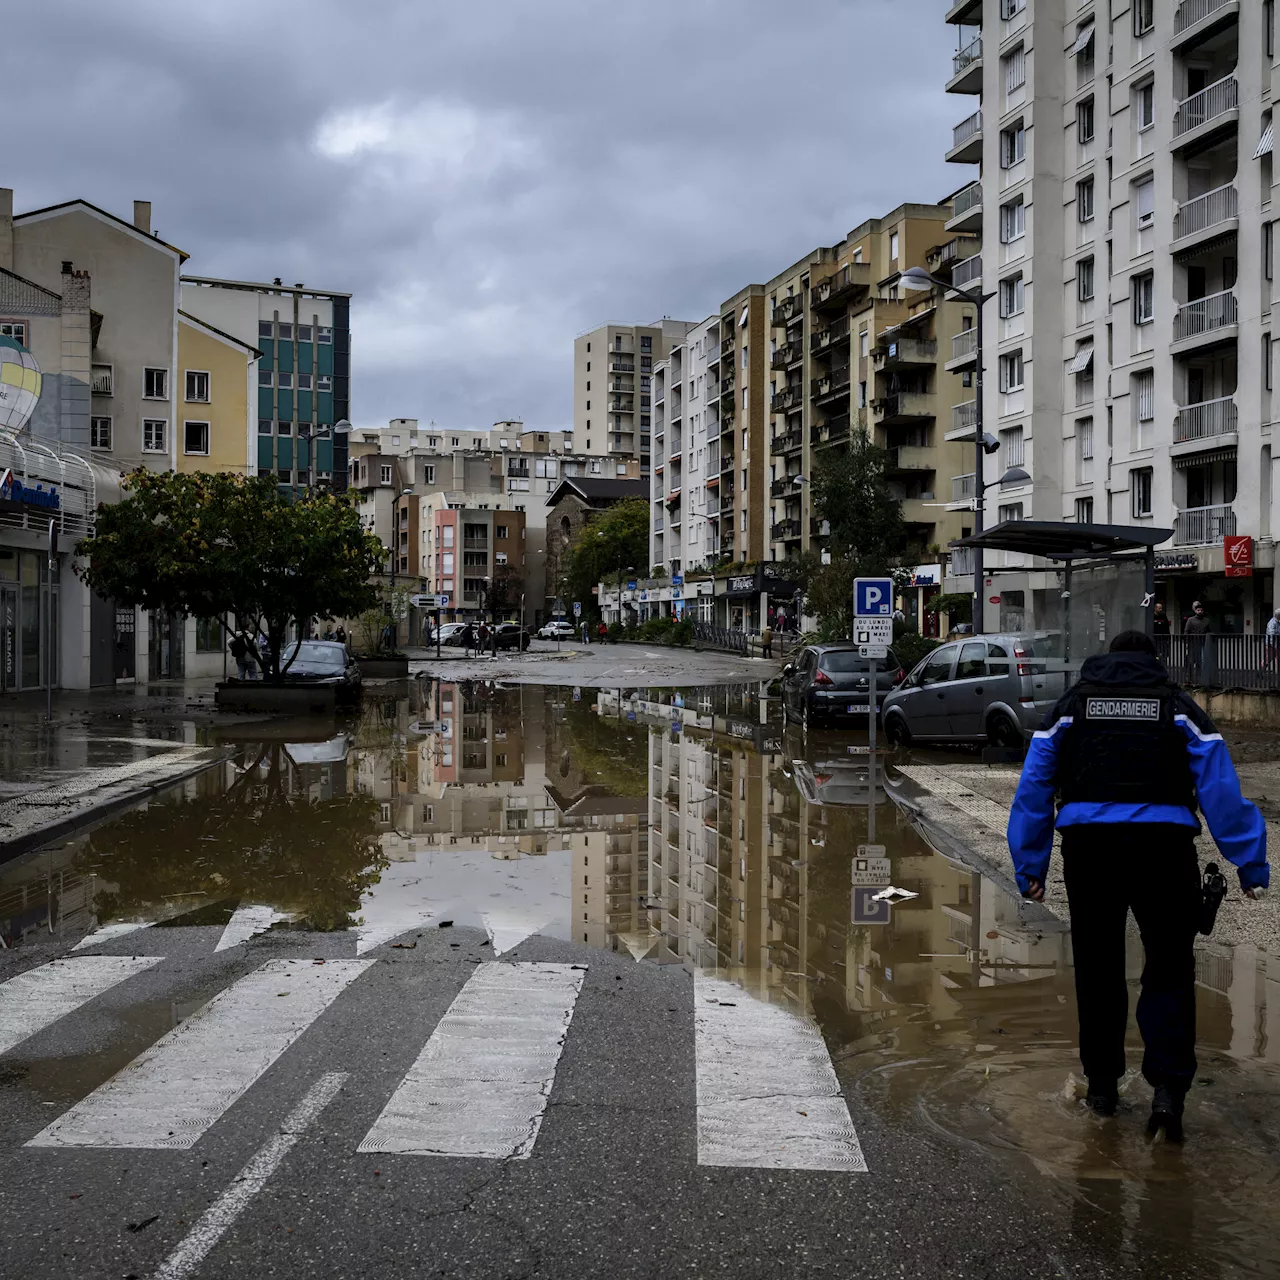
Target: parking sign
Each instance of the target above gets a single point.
(873, 597)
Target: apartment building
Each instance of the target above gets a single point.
(1125, 157)
(217, 400)
(617, 360)
(464, 548)
(304, 370)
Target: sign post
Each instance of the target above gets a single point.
(872, 631)
(51, 657)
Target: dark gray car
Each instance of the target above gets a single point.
(832, 682)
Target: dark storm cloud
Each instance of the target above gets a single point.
(488, 179)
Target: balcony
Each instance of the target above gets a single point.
(1203, 526)
(1194, 20)
(727, 383)
(726, 347)
(791, 353)
(906, 353)
(966, 68)
(830, 385)
(789, 399)
(787, 442)
(967, 273)
(961, 561)
(475, 544)
(102, 380)
(1213, 214)
(833, 431)
(966, 209)
(784, 530)
(619, 405)
(1209, 420)
(837, 289)
(900, 407)
(910, 458)
(964, 420)
(620, 365)
(964, 350)
(944, 257)
(1212, 319)
(965, 13)
(966, 141)
(726, 503)
(726, 462)
(962, 491)
(834, 335)
(788, 310)
(1205, 113)
(520, 469)
(783, 488)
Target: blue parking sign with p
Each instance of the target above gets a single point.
(873, 597)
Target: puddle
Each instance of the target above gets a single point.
(689, 827)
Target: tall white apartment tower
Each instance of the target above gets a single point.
(1124, 201)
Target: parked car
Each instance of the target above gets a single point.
(986, 689)
(835, 782)
(558, 630)
(324, 662)
(826, 682)
(451, 632)
(511, 635)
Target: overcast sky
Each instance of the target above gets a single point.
(488, 178)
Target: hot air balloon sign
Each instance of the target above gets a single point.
(19, 385)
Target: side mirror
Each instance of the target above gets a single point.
(788, 670)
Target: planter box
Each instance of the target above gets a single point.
(391, 668)
(293, 699)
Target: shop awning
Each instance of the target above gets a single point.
(1060, 540)
(1188, 461)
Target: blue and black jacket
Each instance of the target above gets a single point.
(1127, 745)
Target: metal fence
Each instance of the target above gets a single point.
(1221, 661)
(720, 637)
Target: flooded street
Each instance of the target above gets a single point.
(688, 829)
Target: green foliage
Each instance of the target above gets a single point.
(217, 545)
(603, 547)
(505, 589)
(850, 493)
(682, 632)
(910, 647)
(959, 606)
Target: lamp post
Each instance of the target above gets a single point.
(915, 279)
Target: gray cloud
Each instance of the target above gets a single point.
(487, 179)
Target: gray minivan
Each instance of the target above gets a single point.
(990, 688)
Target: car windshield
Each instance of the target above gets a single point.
(846, 660)
(316, 655)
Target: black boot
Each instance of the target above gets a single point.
(1103, 1097)
(1166, 1113)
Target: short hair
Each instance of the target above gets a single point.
(1133, 642)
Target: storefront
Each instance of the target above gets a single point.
(1239, 604)
(926, 582)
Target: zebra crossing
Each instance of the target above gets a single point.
(767, 1096)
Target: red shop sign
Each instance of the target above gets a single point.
(1237, 555)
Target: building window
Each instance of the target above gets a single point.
(1144, 298)
(1013, 220)
(324, 382)
(153, 435)
(264, 427)
(1268, 250)
(197, 387)
(430, 474)
(1015, 69)
(1144, 16)
(1084, 121)
(266, 329)
(1012, 449)
(286, 332)
(1145, 100)
(284, 429)
(893, 246)
(386, 474)
(864, 339)
(646, 344)
(284, 380)
(1011, 296)
(208, 635)
(195, 437)
(1144, 194)
(304, 333)
(325, 336)
(1084, 511)
(1144, 391)
(1084, 437)
(1140, 492)
(1084, 280)
(1084, 200)
(454, 441)
(1013, 145)
(1011, 8)
(265, 378)
(1009, 511)
(1011, 371)
(304, 384)
(100, 433)
(155, 384)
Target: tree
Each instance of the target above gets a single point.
(616, 539)
(505, 589)
(210, 546)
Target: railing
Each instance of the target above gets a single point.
(1209, 418)
(782, 487)
(967, 272)
(962, 487)
(726, 462)
(1206, 211)
(967, 56)
(1206, 105)
(909, 351)
(831, 383)
(788, 309)
(622, 366)
(790, 440)
(720, 637)
(965, 343)
(1204, 315)
(1200, 526)
(726, 348)
(964, 417)
(475, 544)
(1231, 661)
(962, 561)
(1192, 11)
(785, 529)
(101, 382)
(966, 129)
(820, 339)
(787, 398)
(786, 355)
(969, 198)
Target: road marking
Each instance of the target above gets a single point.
(168, 1096)
(249, 1181)
(35, 999)
(110, 932)
(506, 931)
(248, 922)
(768, 1097)
(481, 1084)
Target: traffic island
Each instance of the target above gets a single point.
(282, 699)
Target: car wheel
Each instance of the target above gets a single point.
(1002, 732)
(896, 731)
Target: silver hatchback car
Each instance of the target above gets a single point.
(983, 689)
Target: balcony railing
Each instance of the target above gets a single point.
(907, 351)
(966, 129)
(964, 417)
(101, 381)
(782, 488)
(830, 383)
(964, 344)
(1206, 211)
(785, 529)
(787, 398)
(1204, 315)
(821, 339)
(969, 198)
(967, 56)
(786, 355)
(1192, 11)
(1209, 418)
(1206, 105)
(962, 488)
(967, 272)
(1199, 526)
(788, 309)
(787, 441)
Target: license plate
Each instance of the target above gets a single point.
(857, 706)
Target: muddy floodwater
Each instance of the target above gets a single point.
(692, 827)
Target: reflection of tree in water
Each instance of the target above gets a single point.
(599, 752)
(265, 839)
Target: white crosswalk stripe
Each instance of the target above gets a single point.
(35, 999)
(172, 1093)
(480, 1086)
(768, 1097)
(248, 922)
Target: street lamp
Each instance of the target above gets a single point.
(916, 279)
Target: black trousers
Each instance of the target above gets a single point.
(1151, 869)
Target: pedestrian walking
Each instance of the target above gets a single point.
(1272, 641)
(482, 638)
(1196, 629)
(1129, 757)
(242, 651)
(585, 631)
(766, 642)
(468, 639)
(602, 631)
